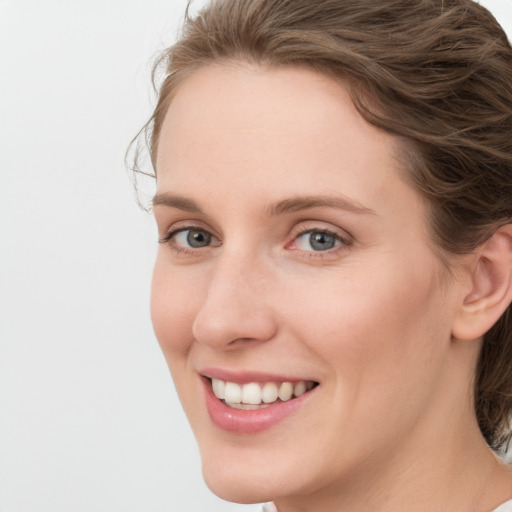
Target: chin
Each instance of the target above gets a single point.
(251, 474)
(238, 486)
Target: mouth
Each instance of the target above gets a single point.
(258, 395)
(252, 402)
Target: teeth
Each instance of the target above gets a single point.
(269, 393)
(248, 407)
(299, 388)
(251, 394)
(218, 388)
(232, 393)
(254, 395)
(285, 391)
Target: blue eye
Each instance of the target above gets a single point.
(315, 240)
(190, 238)
(193, 238)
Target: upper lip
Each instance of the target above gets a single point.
(244, 377)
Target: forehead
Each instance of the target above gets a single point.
(291, 127)
(252, 96)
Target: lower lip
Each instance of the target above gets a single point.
(241, 421)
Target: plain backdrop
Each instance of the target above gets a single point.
(89, 420)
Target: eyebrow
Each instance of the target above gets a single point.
(178, 202)
(290, 205)
(299, 203)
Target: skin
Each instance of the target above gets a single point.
(371, 319)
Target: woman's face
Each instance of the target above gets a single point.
(294, 259)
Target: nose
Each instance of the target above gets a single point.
(236, 308)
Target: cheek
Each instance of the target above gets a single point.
(172, 310)
(374, 327)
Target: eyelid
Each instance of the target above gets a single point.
(183, 225)
(345, 239)
(178, 249)
(321, 227)
(174, 232)
(297, 231)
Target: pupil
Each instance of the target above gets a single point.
(321, 241)
(198, 238)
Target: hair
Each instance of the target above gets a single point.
(435, 73)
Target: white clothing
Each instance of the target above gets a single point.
(504, 507)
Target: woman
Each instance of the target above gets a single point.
(333, 285)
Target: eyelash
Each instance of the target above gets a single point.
(343, 242)
(171, 236)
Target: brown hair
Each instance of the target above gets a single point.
(436, 73)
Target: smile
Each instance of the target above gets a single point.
(255, 405)
(255, 395)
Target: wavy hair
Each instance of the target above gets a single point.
(435, 73)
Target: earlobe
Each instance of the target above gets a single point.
(491, 287)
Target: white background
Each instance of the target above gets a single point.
(89, 420)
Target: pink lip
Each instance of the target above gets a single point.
(246, 377)
(240, 421)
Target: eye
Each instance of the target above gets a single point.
(194, 238)
(190, 238)
(318, 240)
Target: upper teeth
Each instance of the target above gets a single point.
(255, 394)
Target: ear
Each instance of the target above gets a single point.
(490, 287)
